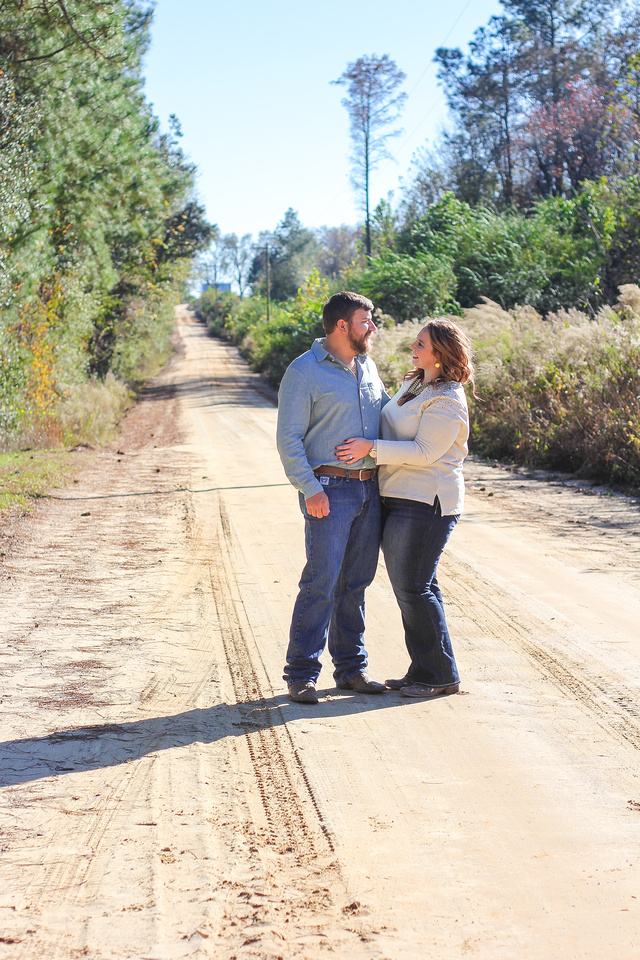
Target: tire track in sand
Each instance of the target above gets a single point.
(294, 819)
(585, 680)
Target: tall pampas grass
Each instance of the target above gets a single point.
(560, 392)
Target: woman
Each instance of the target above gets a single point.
(425, 429)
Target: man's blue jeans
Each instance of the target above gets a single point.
(414, 536)
(342, 556)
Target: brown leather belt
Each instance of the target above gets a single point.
(349, 474)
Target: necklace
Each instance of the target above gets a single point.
(414, 390)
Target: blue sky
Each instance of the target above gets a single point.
(251, 84)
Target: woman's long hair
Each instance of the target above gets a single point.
(453, 351)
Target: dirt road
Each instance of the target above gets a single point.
(161, 797)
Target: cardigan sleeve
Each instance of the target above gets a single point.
(438, 430)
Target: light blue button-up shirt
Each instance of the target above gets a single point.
(320, 405)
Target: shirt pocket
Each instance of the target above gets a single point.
(371, 394)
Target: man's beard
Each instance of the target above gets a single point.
(360, 344)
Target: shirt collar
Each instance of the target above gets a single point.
(320, 352)
(318, 349)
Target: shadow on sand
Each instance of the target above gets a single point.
(110, 744)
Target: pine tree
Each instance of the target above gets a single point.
(373, 102)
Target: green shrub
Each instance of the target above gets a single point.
(553, 257)
(213, 306)
(272, 346)
(623, 235)
(407, 287)
(244, 316)
(14, 367)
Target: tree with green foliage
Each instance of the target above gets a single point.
(623, 62)
(408, 287)
(484, 91)
(293, 253)
(98, 221)
(534, 103)
(338, 249)
(210, 266)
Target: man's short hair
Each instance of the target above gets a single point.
(342, 306)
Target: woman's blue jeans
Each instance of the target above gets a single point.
(342, 556)
(414, 536)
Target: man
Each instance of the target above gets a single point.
(330, 393)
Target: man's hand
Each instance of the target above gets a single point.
(318, 505)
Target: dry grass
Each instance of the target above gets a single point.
(90, 412)
(561, 392)
(87, 415)
(392, 351)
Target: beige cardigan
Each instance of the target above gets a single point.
(423, 446)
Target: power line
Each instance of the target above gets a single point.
(437, 102)
(331, 202)
(451, 29)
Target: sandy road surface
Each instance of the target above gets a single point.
(162, 798)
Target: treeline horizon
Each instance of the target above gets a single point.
(527, 212)
(539, 167)
(530, 202)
